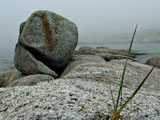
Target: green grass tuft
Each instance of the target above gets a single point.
(116, 112)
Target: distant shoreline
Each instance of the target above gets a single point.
(6, 58)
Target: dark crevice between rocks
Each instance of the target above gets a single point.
(40, 57)
(118, 58)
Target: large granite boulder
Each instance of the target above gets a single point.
(50, 38)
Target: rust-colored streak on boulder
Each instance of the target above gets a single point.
(56, 23)
(48, 32)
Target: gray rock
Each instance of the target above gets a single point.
(8, 77)
(108, 53)
(81, 59)
(109, 57)
(51, 38)
(82, 94)
(31, 80)
(28, 64)
(152, 61)
(108, 72)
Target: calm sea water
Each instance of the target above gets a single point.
(6, 55)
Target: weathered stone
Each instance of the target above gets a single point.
(82, 94)
(28, 65)
(109, 72)
(9, 77)
(31, 80)
(108, 53)
(81, 59)
(109, 57)
(152, 61)
(51, 38)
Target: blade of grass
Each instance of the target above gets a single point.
(138, 88)
(109, 108)
(114, 105)
(124, 70)
(118, 79)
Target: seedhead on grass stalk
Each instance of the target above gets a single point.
(115, 113)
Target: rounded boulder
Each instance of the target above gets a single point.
(51, 38)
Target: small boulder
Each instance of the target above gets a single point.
(31, 80)
(8, 77)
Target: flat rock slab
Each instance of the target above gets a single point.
(110, 71)
(106, 50)
(71, 99)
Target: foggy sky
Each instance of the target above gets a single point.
(93, 17)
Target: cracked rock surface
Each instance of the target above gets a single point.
(27, 63)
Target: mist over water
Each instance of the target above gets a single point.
(100, 22)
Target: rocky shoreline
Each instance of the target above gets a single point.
(81, 94)
(81, 91)
(53, 81)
